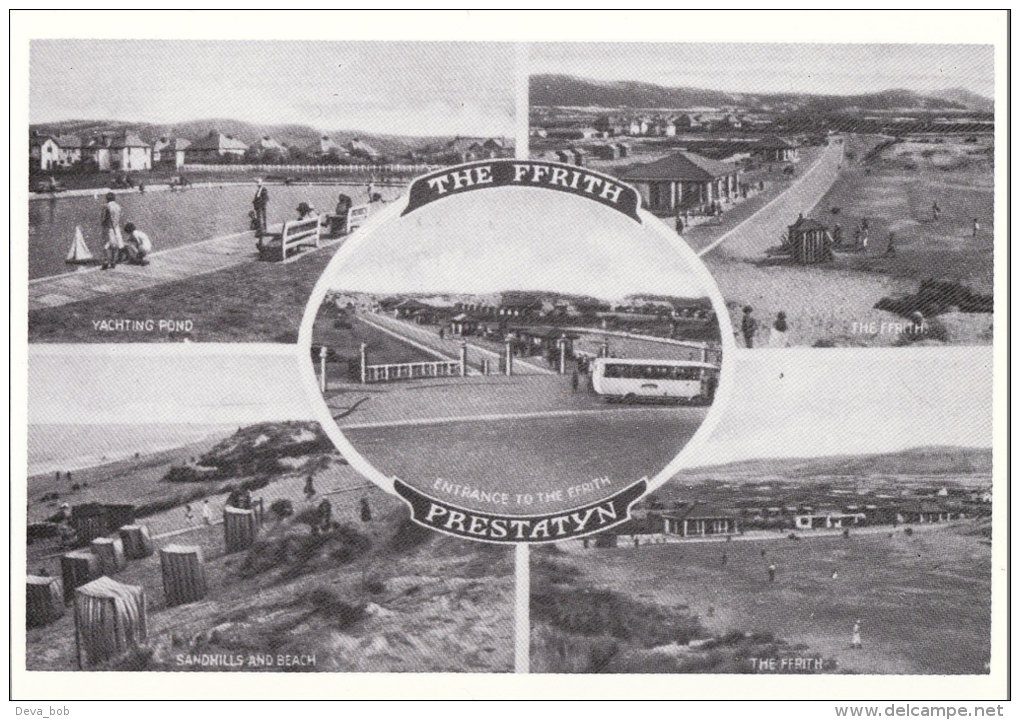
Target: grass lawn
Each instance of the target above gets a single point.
(896, 189)
(344, 335)
(924, 601)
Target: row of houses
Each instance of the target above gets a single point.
(431, 311)
(699, 519)
(645, 125)
(704, 519)
(126, 151)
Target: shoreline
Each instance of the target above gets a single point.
(85, 463)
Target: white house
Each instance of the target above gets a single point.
(166, 151)
(123, 152)
(214, 147)
(44, 152)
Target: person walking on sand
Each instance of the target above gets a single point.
(189, 516)
(748, 326)
(976, 228)
(206, 512)
(935, 211)
(780, 330)
(890, 249)
(772, 572)
(310, 487)
(855, 636)
(370, 189)
(261, 204)
(725, 558)
(110, 221)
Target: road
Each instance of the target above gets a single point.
(752, 237)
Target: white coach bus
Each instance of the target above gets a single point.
(631, 380)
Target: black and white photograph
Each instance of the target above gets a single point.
(517, 350)
(849, 543)
(841, 195)
(509, 355)
(206, 524)
(196, 192)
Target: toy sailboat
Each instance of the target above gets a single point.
(79, 252)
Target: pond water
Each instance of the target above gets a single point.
(170, 219)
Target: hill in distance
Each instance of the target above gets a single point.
(291, 135)
(921, 461)
(571, 91)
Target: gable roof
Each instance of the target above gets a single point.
(699, 511)
(128, 140)
(808, 225)
(359, 146)
(218, 141)
(69, 142)
(681, 166)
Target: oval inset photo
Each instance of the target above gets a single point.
(519, 361)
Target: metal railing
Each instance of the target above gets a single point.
(412, 371)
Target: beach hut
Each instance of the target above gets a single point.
(77, 568)
(110, 552)
(183, 571)
(109, 619)
(136, 540)
(44, 600)
(809, 242)
(240, 528)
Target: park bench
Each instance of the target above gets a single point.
(340, 225)
(294, 234)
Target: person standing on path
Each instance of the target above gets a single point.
(780, 329)
(772, 572)
(575, 381)
(935, 211)
(748, 326)
(855, 636)
(206, 512)
(111, 231)
(261, 204)
(976, 228)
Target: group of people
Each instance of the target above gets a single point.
(130, 246)
(778, 333)
(305, 210)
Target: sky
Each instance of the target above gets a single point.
(836, 69)
(518, 239)
(812, 402)
(93, 387)
(384, 88)
(784, 404)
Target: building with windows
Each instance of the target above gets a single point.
(684, 181)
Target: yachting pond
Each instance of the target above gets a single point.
(171, 219)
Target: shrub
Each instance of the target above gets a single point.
(281, 508)
(341, 614)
